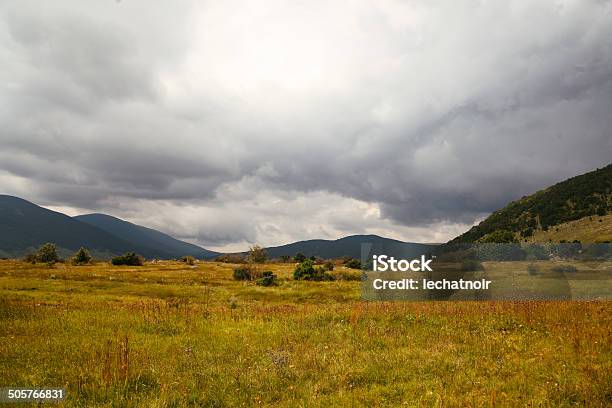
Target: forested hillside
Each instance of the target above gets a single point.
(587, 195)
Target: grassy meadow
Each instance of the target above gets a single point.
(596, 228)
(169, 334)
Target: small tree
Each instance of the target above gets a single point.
(257, 254)
(47, 253)
(303, 270)
(299, 257)
(81, 257)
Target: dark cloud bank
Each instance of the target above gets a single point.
(234, 123)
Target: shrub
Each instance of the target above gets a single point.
(307, 271)
(329, 265)
(299, 257)
(564, 269)
(189, 260)
(470, 265)
(47, 253)
(267, 279)
(257, 254)
(305, 268)
(321, 274)
(353, 263)
(247, 272)
(130, 258)
(285, 258)
(242, 273)
(81, 257)
(533, 269)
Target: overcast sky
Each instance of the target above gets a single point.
(234, 122)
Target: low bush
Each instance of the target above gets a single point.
(247, 272)
(307, 271)
(130, 259)
(242, 273)
(267, 279)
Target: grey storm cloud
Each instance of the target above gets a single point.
(436, 113)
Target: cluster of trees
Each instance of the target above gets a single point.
(48, 254)
(311, 269)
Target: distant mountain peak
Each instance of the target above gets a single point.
(349, 246)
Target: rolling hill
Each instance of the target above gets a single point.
(349, 247)
(147, 237)
(569, 210)
(24, 226)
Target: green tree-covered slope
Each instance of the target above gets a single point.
(587, 195)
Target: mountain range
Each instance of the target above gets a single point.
(350, 246)
(579, 208)
(24, 226)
